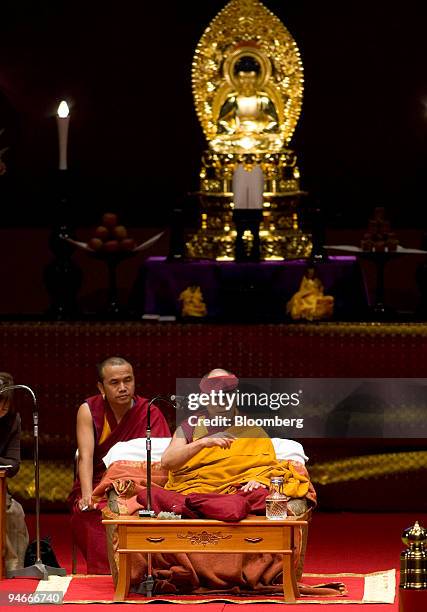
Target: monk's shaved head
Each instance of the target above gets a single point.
(217, 372)
(110, 361)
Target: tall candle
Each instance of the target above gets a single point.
(63, 119)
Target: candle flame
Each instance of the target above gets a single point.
(63, 110)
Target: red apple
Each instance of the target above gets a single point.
(109, 219)
(95, 244)
(128, 244)
(111, 246)
(120, 232)
(102, 233)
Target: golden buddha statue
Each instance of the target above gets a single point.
(193, 304)
(309, 302)
(248, 84)
(248, 120)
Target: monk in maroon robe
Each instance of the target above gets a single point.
(115, 415)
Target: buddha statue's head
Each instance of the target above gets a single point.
(246, 75)
(247, 82)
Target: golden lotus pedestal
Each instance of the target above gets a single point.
(280, 235)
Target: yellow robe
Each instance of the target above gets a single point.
(218, 470)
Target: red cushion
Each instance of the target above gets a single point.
(218, 507)
(256, 499)
(168, 501)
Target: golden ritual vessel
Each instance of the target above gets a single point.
(413, 560)
(248, 85)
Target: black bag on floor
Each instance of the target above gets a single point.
(47, 554)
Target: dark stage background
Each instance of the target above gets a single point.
(135, 142)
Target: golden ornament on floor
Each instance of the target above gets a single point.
(193, 304)
(413, 560)
(309, 302)
(248, 85)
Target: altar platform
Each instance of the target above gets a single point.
(246, 292)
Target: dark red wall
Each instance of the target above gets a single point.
(135, 141)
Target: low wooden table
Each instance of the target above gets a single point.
(207, 536)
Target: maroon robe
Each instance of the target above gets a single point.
(87, 528)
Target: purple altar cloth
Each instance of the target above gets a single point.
(249, 291)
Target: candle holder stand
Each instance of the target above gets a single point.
(62, 276)
(379, 310)
(112, 260)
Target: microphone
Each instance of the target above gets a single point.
(7, 388)
(148, 512)
(12, 387)
(178, 400)
(146, 587)
(38, 570)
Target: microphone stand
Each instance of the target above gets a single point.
(146, 587)
(39, 570)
